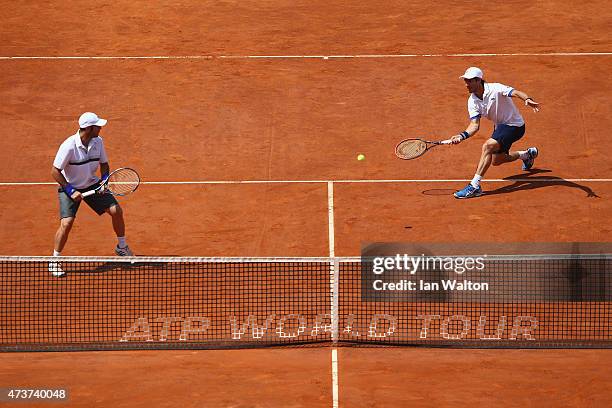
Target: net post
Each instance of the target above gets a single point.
(334, 283)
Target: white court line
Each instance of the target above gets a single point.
(212, 57)
(334, 292)
(330, 218)
(335, 398)
(539, 180)
(109, 57)
(524, 54)
(356, 181)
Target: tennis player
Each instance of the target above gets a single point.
(74, 168)
(494, 102)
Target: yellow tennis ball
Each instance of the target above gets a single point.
(360, 157)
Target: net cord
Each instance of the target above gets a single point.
(144, 259)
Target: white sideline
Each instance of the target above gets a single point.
(212, 57)
(196, 182)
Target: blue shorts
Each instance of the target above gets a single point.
(505, 135)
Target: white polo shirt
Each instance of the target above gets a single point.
(78, 163)
(496, 105)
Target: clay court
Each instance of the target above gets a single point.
(246, 139)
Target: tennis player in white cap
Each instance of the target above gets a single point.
(74, 169)
(494, 102)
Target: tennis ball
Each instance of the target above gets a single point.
(360, 157)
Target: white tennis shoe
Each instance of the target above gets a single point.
(124, 251)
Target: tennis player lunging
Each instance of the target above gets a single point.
(74, 168)
(493, 101)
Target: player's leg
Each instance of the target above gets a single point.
(501, 158)
(489, 149)
(68, 211)
(61, 235)
(116, 213)
(506, 135)
(106, 204)
(122, 248)
(527, 156)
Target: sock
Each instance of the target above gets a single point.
(121, 243)
(55, 253)
(476, 181)
(523, 154)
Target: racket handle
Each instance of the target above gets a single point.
(88, 193)
(446, 142)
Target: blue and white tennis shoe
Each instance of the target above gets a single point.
(468, 192)
(528, 163)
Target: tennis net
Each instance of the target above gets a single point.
(162, 303)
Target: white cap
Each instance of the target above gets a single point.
(90, 119)
(472, 72)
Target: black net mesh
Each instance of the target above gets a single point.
(219, 303)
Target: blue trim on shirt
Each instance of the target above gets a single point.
(474, 117)
(510, 93)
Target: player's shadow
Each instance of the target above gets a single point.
(103, 267)
(126, 266)
(529, 181)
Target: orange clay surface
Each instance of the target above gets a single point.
(301, 377)
(223, 119)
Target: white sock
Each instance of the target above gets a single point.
(55, 253)
(476, 181)
(523, 154)
(121, 241)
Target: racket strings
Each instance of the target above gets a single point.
(123, 181)
(411, 148)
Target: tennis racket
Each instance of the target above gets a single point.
(413, 148)
(120, 182)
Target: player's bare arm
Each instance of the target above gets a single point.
(104, 169)
(471, 130)
(61, 180)
(528, 101)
